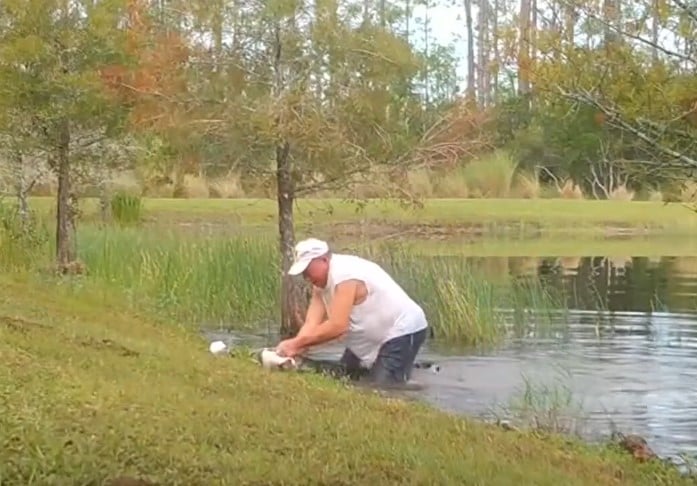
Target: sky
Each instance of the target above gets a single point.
(447, 22)
(448, 26)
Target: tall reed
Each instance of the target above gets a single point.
(234, 281)
(465, 307)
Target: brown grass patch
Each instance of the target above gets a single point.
(570, 190)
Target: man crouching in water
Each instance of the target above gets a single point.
(355, 297)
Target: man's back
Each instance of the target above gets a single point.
(387, 312)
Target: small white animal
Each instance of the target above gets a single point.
(270, 359)
(217, 347)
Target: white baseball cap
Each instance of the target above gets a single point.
(306, 251)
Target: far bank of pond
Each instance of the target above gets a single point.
(454, 216)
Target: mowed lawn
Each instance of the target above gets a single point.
(90, 391)
(547, 214)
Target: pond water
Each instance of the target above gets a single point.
(631, 366)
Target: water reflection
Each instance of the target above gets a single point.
(641, 284)
(637, 381)
(628, 348)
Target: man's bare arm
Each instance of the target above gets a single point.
(338, 322)
(316, 313)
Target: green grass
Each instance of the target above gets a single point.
(549, 215)
(655, 245)
(91, 391)
(463, 305)
(547, 406)
(126, 209)
(234, 281)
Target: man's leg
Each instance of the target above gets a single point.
(351, 365)
(419, 338)
(395, 359)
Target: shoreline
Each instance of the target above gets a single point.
(77, 360)
(633, 443)
(606, 218)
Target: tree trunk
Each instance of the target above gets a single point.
(470, 90)
(524, 48)
(292, 295)
(655, 21)
(21, 187)
(497, 56)
(293, 306)
(66, 250)
(483, 53)
(104, 194)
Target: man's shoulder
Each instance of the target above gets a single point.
(359, 268)
(354, 264)
(351, 258)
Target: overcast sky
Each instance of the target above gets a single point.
(445, 23)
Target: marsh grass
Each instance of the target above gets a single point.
(233, 282)
(550, 407)
(126, 208)
(218, 281)
(545, 406)
(464, 306)
(535, 306)
(91, 391)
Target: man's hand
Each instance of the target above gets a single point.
(289, 348)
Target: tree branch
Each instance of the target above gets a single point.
(616, 119)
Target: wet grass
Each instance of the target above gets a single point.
(492, 215)
(90, 391)
(546, 406)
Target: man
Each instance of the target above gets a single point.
(356, 298)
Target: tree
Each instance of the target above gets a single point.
(303, 95)
(612, 105)
(50, 86)
(321, 132)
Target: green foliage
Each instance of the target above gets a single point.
(548, 407)
(357, 89)
(604, 98)
(345, 100)
(50, 59)
(229, 281)
(22, 240)
(57, 106)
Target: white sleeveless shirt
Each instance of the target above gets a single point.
(386, 313)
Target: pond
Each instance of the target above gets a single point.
(624, 357)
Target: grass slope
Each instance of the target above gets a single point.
(90, 391)
(548, 214)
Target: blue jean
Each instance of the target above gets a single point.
(394, 362)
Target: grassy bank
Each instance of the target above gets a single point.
(548, 215)
(90, 391)
(233, 281)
